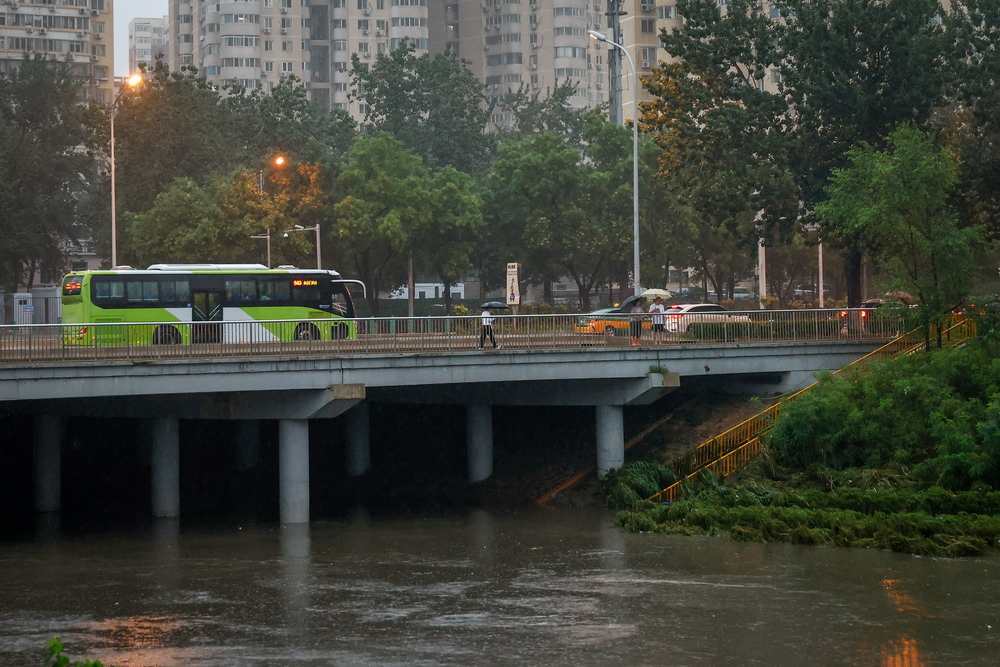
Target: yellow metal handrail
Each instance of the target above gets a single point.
(715, 453)
(723, 467)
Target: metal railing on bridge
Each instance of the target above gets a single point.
(335, 337)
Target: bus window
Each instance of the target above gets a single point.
(108, 288)
(274, 288)
(241, 290)
(142, 291)
(175, 291)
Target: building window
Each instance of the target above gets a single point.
(287, 46)
(504, 59)
(570, 52)
(668, 12)
(648, 25)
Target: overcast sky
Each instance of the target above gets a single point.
(125, 11)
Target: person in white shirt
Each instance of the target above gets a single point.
(487, 329)
(657, 309)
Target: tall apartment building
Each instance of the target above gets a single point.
(537, 43)
(147, 38)
(534, 43)
(255, 44)
(78, 32)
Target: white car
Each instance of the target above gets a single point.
(678, 318)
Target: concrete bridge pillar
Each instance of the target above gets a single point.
(610, 438)
(247, 444)
(479, 441)
(358, 440)
(47, 436)
(293, 470)
(166, 467)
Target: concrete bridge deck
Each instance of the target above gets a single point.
(312, 382)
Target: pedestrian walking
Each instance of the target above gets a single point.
(635, 322)
(487, 329)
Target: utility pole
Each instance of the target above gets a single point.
(615, 62)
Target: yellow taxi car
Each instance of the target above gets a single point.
(607, 321)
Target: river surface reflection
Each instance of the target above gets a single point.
(558, 587)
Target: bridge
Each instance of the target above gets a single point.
(544, 360)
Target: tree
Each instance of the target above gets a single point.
(433, 104)
(382, 198)
(444, 245)
(189, 223)
(173, 125)
(285, 121)
(533, 113)
(895, 205)
(550, 204)
(47, 165)
(851, 70)
(972, 122)
(723, 151)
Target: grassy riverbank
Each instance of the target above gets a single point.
(901, 455)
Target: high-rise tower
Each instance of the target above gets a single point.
(77, 32)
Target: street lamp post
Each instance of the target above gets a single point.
(635, 158)
(266, 235)
(132, 82)
(300, 228)
(278, 161)
(814, 227)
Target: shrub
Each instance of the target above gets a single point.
(55, 658)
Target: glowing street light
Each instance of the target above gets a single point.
(131, 82)
(278, 161)
(635, 158)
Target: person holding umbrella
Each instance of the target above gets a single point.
(487, 323)
(633, 306)
(656, 310)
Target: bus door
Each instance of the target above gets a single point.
(206, 306)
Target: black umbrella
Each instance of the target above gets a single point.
(627, 303)
(494, 304)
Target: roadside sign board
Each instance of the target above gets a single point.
(513, 291)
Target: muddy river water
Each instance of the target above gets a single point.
(559, 587)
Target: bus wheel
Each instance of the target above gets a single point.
(340, 331)
(166, 335)
(610, 330)
(306, 331)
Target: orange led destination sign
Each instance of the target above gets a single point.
(298, 282)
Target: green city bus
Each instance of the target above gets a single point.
(192, 303)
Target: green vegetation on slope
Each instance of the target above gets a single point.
(901, 454)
